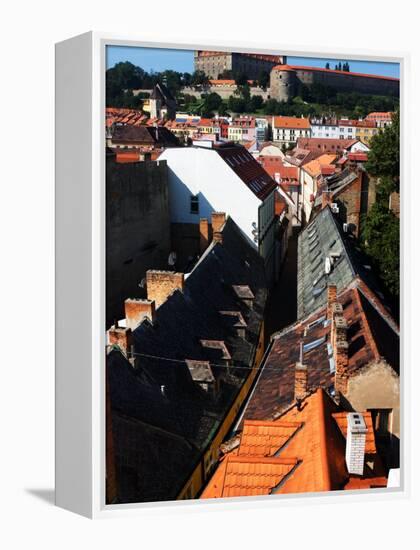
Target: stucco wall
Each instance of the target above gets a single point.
(201, 172)
(376, 387)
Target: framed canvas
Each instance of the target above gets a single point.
(228, 254)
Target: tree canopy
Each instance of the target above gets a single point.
(384, 155)
(381, 228)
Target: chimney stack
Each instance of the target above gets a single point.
(121, 337)
(160, 284)
(355, 443)
(137, 310)
(341, 360)
(204, 234)
(218, 220)
(331, 299)
(301, 381)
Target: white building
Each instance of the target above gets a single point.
(324, 128)
(261, 129)
(287, 129)
(223, 178)
(347, 129)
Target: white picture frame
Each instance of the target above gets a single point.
(80, 276)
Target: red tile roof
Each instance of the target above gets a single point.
(380, 116)
(291, 122)
(261, 438)
(303, 451)
(313, 168)
(322, 70)
(360, 157)
(239, 476)
(325, 145)
(369, 326)
(248, 169)
(274, 165)
(225, 82)
(327, 169)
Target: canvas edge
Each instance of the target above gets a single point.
(97, 277)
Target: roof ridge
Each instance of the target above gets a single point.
(360, 284)
(262, 459)
(325, 467)
(366, 325)
(283, 424)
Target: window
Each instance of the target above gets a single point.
(314, 344)
(194, 204)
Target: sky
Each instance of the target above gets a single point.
(160, 59)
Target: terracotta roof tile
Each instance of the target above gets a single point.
(291, 122)
(306, 447)
(265, 438)
(248, 476)
(313, 168)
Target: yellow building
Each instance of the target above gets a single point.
(365, 130)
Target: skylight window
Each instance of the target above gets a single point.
(314, 344)
(313, 245)
(318, 279)
(316, 322)
(318, 263)
(315, 255)
(317, 291)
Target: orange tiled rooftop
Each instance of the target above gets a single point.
(303, 451)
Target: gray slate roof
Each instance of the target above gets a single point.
(317, 241)
(154, 430)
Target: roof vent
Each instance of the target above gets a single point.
(327, 267)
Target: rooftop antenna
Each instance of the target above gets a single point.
(301, 353)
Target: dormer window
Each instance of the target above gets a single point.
(194, 204)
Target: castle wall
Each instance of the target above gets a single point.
(347, 82)
(250, 64)
(283, 83)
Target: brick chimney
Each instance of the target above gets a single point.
(355, 443)
(341, 360)
(121, 337)
(137, 310)
(204, 234)
(326, 198)
(218, 220)
(331, 299)
(301, 381)
(160, 284)
(338, 328)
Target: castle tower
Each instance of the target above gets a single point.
(283, 82)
